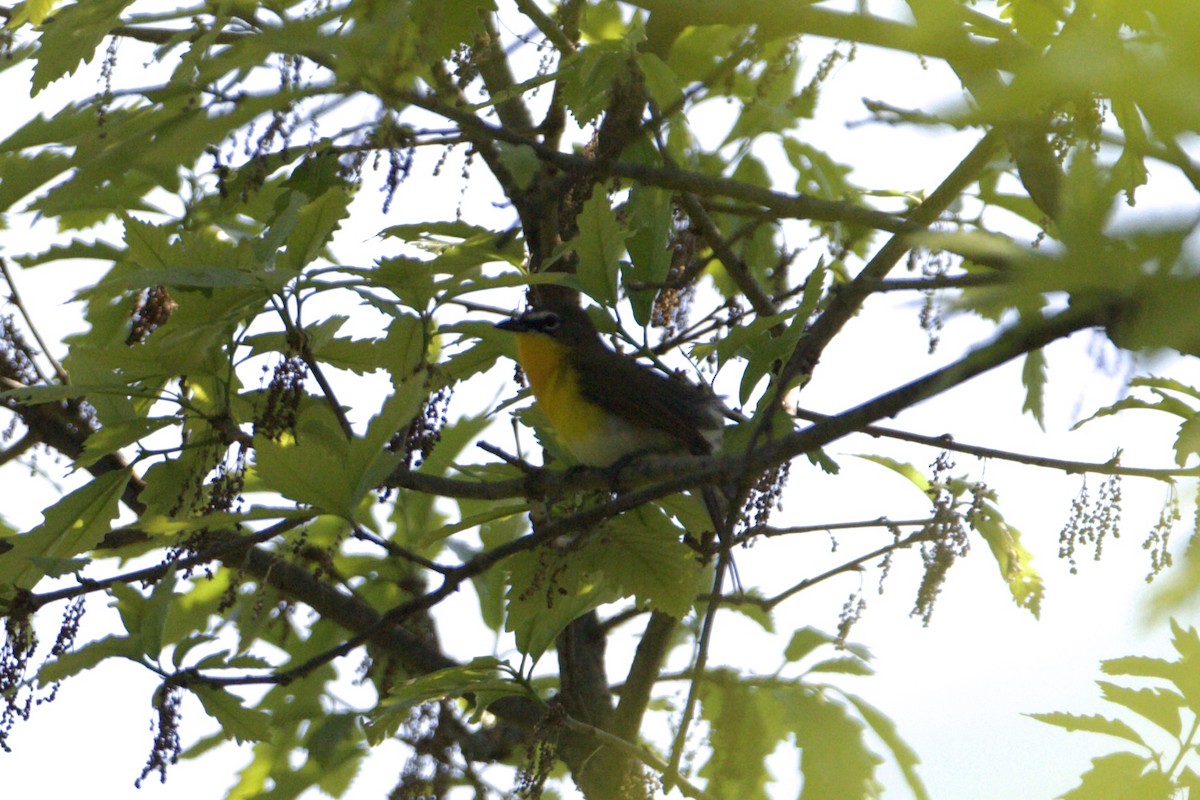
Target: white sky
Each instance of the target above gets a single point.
(956, 689)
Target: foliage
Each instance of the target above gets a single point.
(261, 411)
(1168, 709)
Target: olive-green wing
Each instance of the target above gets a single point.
(647, 398)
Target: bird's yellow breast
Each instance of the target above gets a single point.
(576, 422)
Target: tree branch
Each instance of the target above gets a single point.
(735, 267)
(229, 547)
(498, 78)
(549, 28)
(946, 442)
(799, 206)
(847, 301)
(848, 566)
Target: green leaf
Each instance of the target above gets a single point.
(661, 81)
(817, 173)
(57, 567)
(842, 666)
(547, 589)
(454, 439)
(904, 469)
(487, 679)
(1015, 562)
(587, 78)
(904, 756)
(1160, 706)
(1189, 781)
(745, 727)
(1090, 723)
(459, 250)
(834, 759)
(75, 249)
(324, 469)
(1186, 642)
(411, 279)
(401, 351)
(24, 173)
(641, 554)
(806, 640)
(31, 11)
(187, 644)
(1187, 442)
(195, 277)
(759, 344)
(1122, 776)
(330, 735)
(1166, 404)
(599, 245)
(766, 114)
(369, 461)
(1141, 666)
(154, 615)
(521, 161)
(316, 223)
(237, 721)
(1185, 673)
(650, 212)
(1035, 20)
(309, 469)
(699, 51)
(114, 436)
(405, 347)
(493, 513)
(1033, 376)
(86, 657)
(72, 38)
(491, 585)
(73, 525)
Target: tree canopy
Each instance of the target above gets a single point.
(266, 469)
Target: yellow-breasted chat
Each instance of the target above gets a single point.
(605, 406)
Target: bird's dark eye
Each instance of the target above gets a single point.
(551, 323)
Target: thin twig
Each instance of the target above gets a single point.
(946, 442)
(724, 559)
(299, 340)
(734, 265)
(937, 282)
(549, 28)
(507, 458)
(63, 377)
(849, 566)
(396, 550)
(846, 302)
(29, 440)
(87, 585)
(768, 531)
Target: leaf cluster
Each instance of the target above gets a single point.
(274, 419)
(1165, 708)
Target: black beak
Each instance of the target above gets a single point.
(516, 325)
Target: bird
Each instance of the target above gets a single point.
(606, 407)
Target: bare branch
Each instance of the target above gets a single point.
(946, 442)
